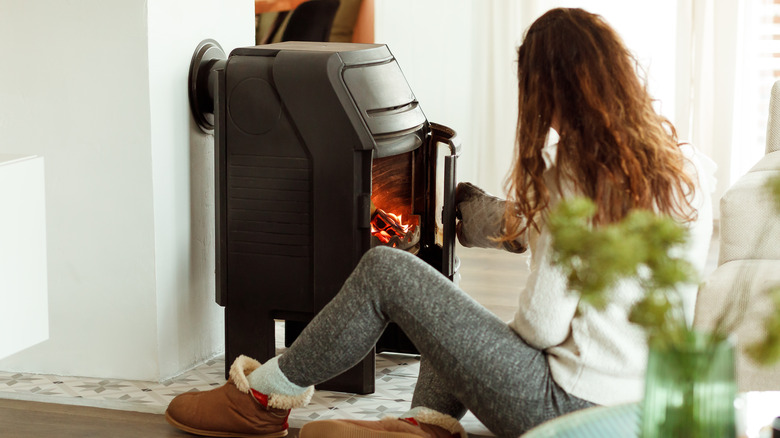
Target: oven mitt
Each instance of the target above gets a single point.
(481, 219)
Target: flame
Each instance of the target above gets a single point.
(393, 226)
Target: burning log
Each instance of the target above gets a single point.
(391, 229)
(387, 225)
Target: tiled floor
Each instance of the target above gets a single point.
(110, 393)
(396, 376)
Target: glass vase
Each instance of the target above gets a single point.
(690, 389)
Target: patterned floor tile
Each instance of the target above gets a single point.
(397, 365)
(364, 407)
(323, 406)
(396, 388)
(396, 376)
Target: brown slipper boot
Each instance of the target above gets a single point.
(234, 409)
(425, 423)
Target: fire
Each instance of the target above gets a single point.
(387, 225)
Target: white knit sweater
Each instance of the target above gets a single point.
(600, 356)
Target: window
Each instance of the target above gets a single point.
(758, 69)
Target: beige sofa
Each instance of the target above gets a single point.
(749, 258)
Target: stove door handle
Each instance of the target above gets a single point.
(448, 136)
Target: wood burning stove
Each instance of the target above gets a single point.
(321, 152)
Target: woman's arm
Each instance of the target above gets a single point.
(481, 221)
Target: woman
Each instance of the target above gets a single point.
(575, 76)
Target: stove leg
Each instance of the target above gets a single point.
(247, 332)
(253, 333)
(359, 379)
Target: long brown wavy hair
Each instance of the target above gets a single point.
(614, 148)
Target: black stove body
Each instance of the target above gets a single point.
(310, 139)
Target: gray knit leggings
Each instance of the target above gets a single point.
(470, 358)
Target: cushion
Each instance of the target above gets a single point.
(773, 124)
(741, 288)
(749, 222)
(769, 162)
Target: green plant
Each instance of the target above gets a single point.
(641, 248)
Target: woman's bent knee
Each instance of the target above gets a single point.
(386, 259)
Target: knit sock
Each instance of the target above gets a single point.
(269, 379)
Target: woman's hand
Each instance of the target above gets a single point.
(481, 219)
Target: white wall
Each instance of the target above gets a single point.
(190, 323)
(432, 41)
(99, 90)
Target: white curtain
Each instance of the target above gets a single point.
(757, 66)
(707, 68)
(725, 82)
(498, 33)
